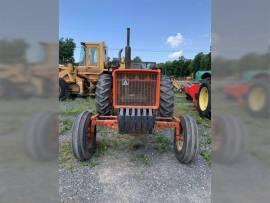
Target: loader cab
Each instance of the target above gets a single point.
(93, 57)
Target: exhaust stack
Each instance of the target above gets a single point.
(128, 50)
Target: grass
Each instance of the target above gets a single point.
(70, 108)
(184, 107)
(206, 155)
(73, 107)
(67, 160)
(109, 141)
(162, 143)
(72, 111)
(65, 125)
(103, 146)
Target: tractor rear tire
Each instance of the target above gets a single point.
(82, 146)
(166, 97)
(186, 150)
(204, 99)
(63, 90)
(104, 94)
(258, 99)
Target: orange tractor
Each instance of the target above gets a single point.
(134, 101)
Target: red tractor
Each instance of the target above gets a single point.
(135, 101)
(199, 91)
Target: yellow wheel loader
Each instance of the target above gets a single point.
(81, 80)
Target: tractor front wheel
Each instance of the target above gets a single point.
(83, 140)
(166, 97)
(204, 99)
(187, 148)
(104, 94)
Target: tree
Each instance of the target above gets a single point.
(66, 50)
(137, 59)
(205, 63)
(186, 67)
(197, 62)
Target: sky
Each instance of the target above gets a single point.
(161, 30)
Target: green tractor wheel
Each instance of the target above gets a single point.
(204, 99)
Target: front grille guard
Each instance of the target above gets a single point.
(136, 88)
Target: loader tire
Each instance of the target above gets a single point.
(83, 146)
(63, 90)
(204, 99)
(166, 97)
(104, 94)
(186, 150)
(258, 99)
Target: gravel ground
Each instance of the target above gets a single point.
(117, 178)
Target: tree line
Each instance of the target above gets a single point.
(186, 67)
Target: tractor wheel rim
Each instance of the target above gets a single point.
(257, 99)
(179, 145)
(203, 98)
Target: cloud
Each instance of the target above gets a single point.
(175, 41)
(176, 55)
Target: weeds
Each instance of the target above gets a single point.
(102, 147)
(67, 160)
(206, 155)
(65, 125)
(162, 143)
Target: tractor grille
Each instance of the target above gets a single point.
(136, 88)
